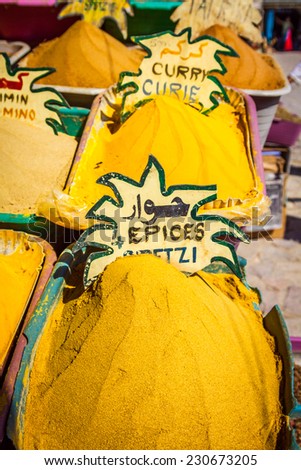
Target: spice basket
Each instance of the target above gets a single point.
(53, 292)
(7, 388)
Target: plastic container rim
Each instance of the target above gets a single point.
(268, 93)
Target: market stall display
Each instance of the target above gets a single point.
(176, 128)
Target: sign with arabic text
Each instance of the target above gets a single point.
(147, 217)
(178, 67)
(18, 99)
(95, 11)
(239, 15)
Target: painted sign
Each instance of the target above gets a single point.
(147, 217)
(19, 100)
(95, 11)
(240, 16)
(175, 66)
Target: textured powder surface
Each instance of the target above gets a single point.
(19, 268)
(191, 147)
(85, 56)
(150, 359)
(32, 161)
(251, 70)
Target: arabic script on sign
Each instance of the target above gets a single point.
(147, 217)
(240, 16)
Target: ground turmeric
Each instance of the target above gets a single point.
(252, 70)
(192, 148)
(20, 263)
(84, 56)
(148, 358)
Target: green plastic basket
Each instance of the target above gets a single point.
(73, 119)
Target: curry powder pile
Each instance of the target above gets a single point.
(251, 70)
(148, 358)
(191, 147)
(85, 56)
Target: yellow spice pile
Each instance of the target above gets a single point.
(33, 160)
(20, 263)
(251, 70)
(191, 147)
(150, 359)
(85, 56)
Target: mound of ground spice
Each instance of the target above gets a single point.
(148, 358)
(191, 147)
(85, 56)
(20, 263)
(33, 160)
(252, 69)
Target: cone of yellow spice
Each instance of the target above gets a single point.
(252, 70)
(147, 358)
(84, 56)
(193, 148)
